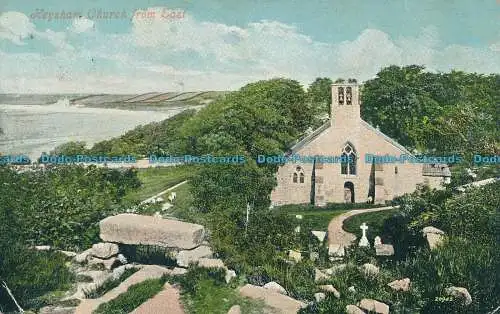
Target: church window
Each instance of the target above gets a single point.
(396, 170)
(348, 96)
(341, 95)
(298, 175)
(349, 158)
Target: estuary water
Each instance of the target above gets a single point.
(33, 129)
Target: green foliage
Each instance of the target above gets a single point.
(32, 274)
(70, 149)
(319, 95)
(134, 297)
(148, 254)
(374, 220)
(109, 284)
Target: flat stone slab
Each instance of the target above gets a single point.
(275, 300)
(147, 230)
(166, 301)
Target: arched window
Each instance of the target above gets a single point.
(349, 158)
(348, 95)
(298, 175)
(341, 95)
(396, 170)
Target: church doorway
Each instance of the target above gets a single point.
(348, 192)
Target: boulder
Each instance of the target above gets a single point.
(353, 309)
(370, 269)
(211, 263)
(108, 263)
(319, 275)
(374, 306)
(321, 235)
(330, 289)
(336, 250)
(400, 285)
(104, 250)
(459, 293)
(296, 256)
(122, 259)
(230, 274)
(313, 256)
(434, 236)
(83, 257)
(146, 230)
(384, 250)
(235, 309)
(192, 256)
(351, 289)
(335, 269)
(68, 253)
(274, 286)
(273, 299)
(320, 296)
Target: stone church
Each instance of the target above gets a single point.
(346, 134)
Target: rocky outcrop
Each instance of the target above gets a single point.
(319, 296)
(84, 256)
(146, 230)
(235, 309)
(400, 285)
(374, 306)
(330, 289)
(272, 299)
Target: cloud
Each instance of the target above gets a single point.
(81, 25)
(157, 52)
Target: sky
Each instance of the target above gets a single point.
(192, 45)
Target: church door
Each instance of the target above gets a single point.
(348, 192)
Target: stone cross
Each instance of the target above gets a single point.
(364, 239)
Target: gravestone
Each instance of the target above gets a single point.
(377, 241)
(364, 240)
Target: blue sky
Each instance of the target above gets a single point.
(220, 45)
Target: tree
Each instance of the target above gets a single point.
(319, 94)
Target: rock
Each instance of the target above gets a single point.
(434, 236)
(274, 286)
(83, 257)
(400, 285)
(459, 293)
(313, 256)
(370, 269)
(319, 275)
(122, 259)
(296, 256)
(321, 235)
(320, 296)
(192, 256)
(230, 274)
(104, 250)
(147, 230)
(108, 263)
(330, 289)
(336, 250)
(275, 300)
(353, 309)
(335, 269)
(351, 289)
(384, 250)
(374, 306)
(235, 309)
(43, 247)
(431, 229)
(211, 262)
(68, 253)
(299, 216)
(177, 271)
(434, 240)
(57, 310)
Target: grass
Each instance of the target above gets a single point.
(374, 220)
(109, 284)
(156, 180)
(135, 296)
(317, 220)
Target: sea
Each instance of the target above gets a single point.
(31, 129)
